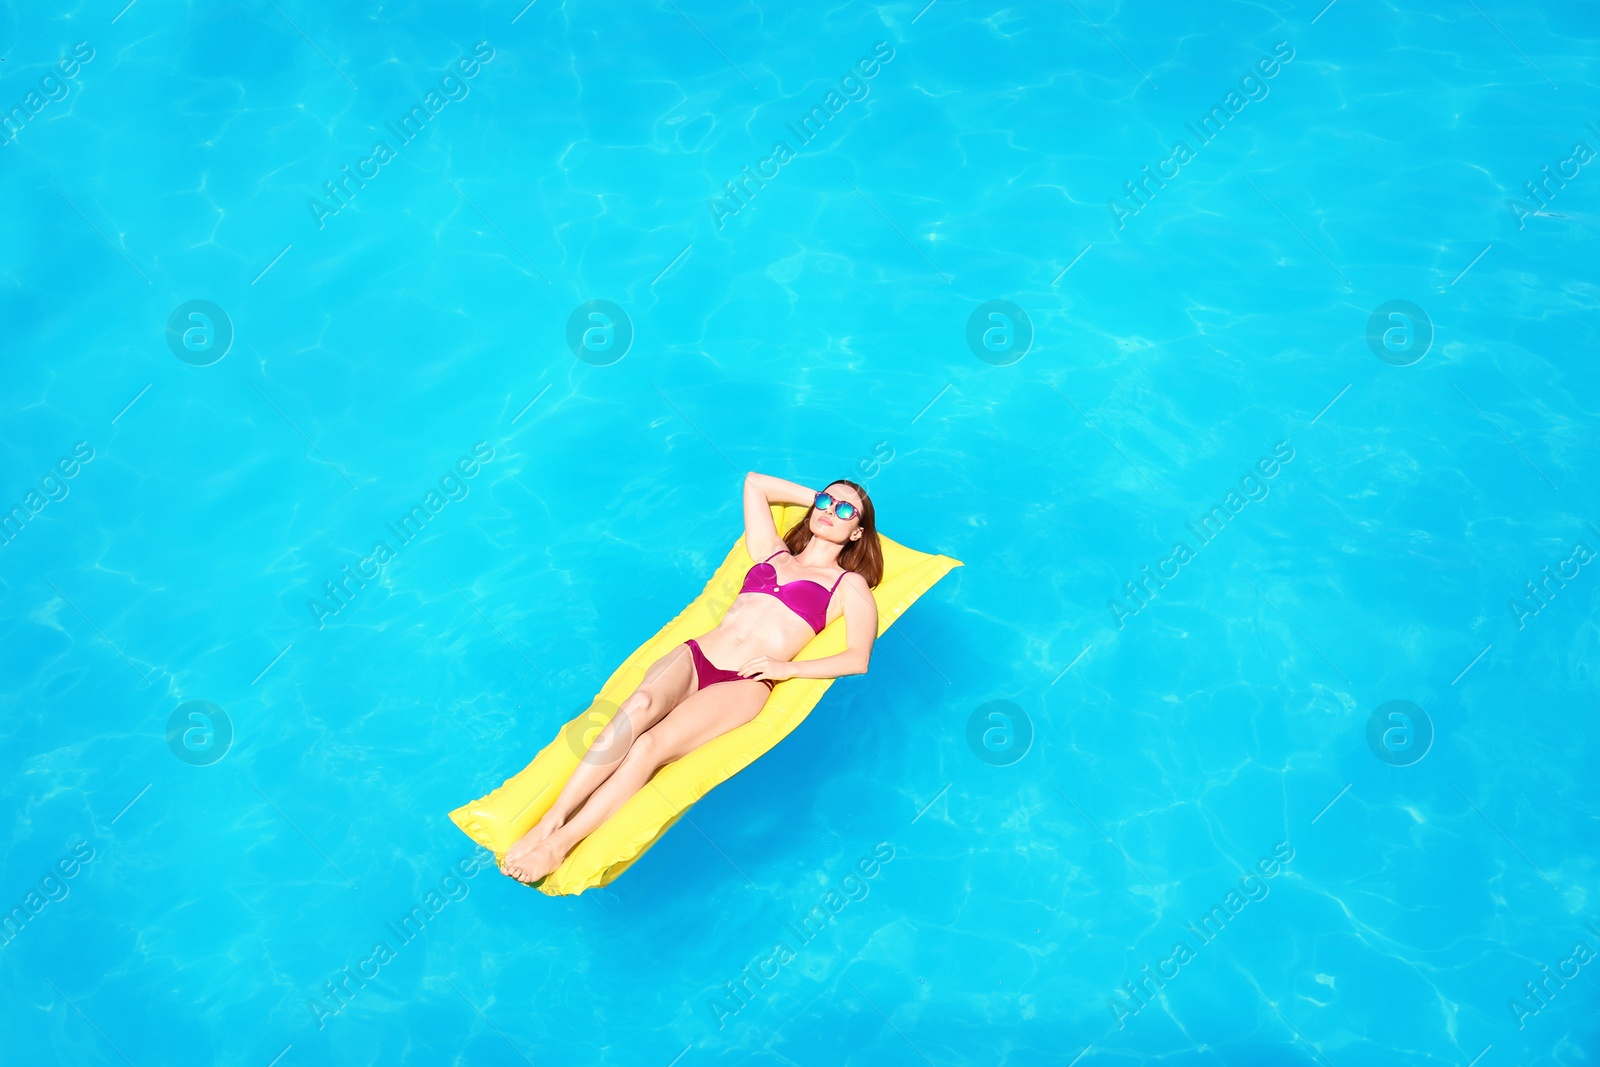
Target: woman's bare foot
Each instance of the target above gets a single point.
(543, 858)
(518, 853)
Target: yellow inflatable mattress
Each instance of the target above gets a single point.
(498, 820)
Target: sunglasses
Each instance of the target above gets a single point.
(842, 508)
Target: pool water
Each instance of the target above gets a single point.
(377, 378)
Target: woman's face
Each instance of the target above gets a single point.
(827, 525)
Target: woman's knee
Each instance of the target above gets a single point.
(638, 711)
(649, 704)
(613, 741)
(645, 751)
(619, 738)
(641, 699)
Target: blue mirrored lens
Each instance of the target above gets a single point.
(845, 510)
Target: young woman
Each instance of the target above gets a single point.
(824, 567)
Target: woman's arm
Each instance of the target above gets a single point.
(761, 491)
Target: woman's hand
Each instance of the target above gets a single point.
(780, 490)
(767, 667)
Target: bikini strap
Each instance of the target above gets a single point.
(836, 582)
(774, 556)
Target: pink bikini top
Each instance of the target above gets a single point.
(811, 604)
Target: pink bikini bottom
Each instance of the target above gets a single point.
(707, 673)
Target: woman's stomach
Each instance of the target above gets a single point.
(755, 624)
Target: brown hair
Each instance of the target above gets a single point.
(864, 555)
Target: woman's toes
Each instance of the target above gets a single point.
(518, 869)
(529, 864)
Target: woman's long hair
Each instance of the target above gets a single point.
(864, 555)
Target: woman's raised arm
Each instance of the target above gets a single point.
(761, 491)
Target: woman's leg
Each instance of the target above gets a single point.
(711, 712)
(666, 683)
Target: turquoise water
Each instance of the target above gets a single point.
(1061, 766)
